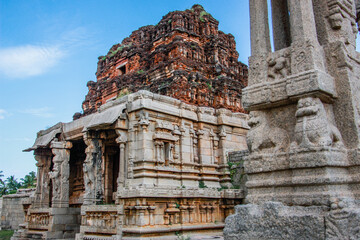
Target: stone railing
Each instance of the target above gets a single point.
(100, 219)
(38, 219)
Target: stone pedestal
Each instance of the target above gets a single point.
(303, 100)
(64, 223)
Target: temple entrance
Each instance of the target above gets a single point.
(76, 178)
(111, 170)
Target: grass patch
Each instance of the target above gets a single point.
(202, 15)
(6, 234)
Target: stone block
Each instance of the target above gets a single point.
(273, 220)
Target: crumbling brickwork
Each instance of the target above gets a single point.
(184, 56)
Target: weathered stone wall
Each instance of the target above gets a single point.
(11, 211)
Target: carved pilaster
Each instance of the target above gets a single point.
(200, 146)
(42, 193)
(93, 170)
(60, 173)
(121, 140)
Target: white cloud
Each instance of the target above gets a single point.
(3, 113)
(19, 139)
(28, 60)
(39, 112)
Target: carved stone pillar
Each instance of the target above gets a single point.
(151, 215)
(132, 152)
(42, 193)
(121, 140)
(192, 144)
(259, 27)
(200, 146)
(302, 21)
(92, 170)
(182, 142)
(183, 214)
(222, 147)
(60, 173)
(191, 213)
(177, 148)
(212, 146)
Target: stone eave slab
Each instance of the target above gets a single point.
(44, 137)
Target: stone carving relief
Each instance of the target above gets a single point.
(144, 120)
(61, 171)
(65, 173)
(341, 14)
(342, 222)
(300, 61)
(56, 181)
(93, 169)
(278, 66)
(313, 128)
(263, 138)
(89, 168)
(255, 70)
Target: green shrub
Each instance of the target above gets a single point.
(6, 234)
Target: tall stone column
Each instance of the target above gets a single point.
(259, 28)
(281, 24)
(60, 173)
(302, 21)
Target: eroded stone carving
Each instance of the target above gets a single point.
(89, 169)
(278, 67)
(55, 177)
(313, 129)
(342, 221)
(263, 138)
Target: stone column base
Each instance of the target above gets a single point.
(64, 223)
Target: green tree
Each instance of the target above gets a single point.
(12, 184)
(29, 180)
(3, 188)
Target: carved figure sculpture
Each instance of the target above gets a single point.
(55, 176)
(277, 67)
(264, 138)
(88, 168)
(313, 128)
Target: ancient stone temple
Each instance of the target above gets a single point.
(304, 103)
(184, 56)
(138, 164)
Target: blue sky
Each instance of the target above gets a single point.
(49, 50)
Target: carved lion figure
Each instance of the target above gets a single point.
(264, 138)
(313, 128)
